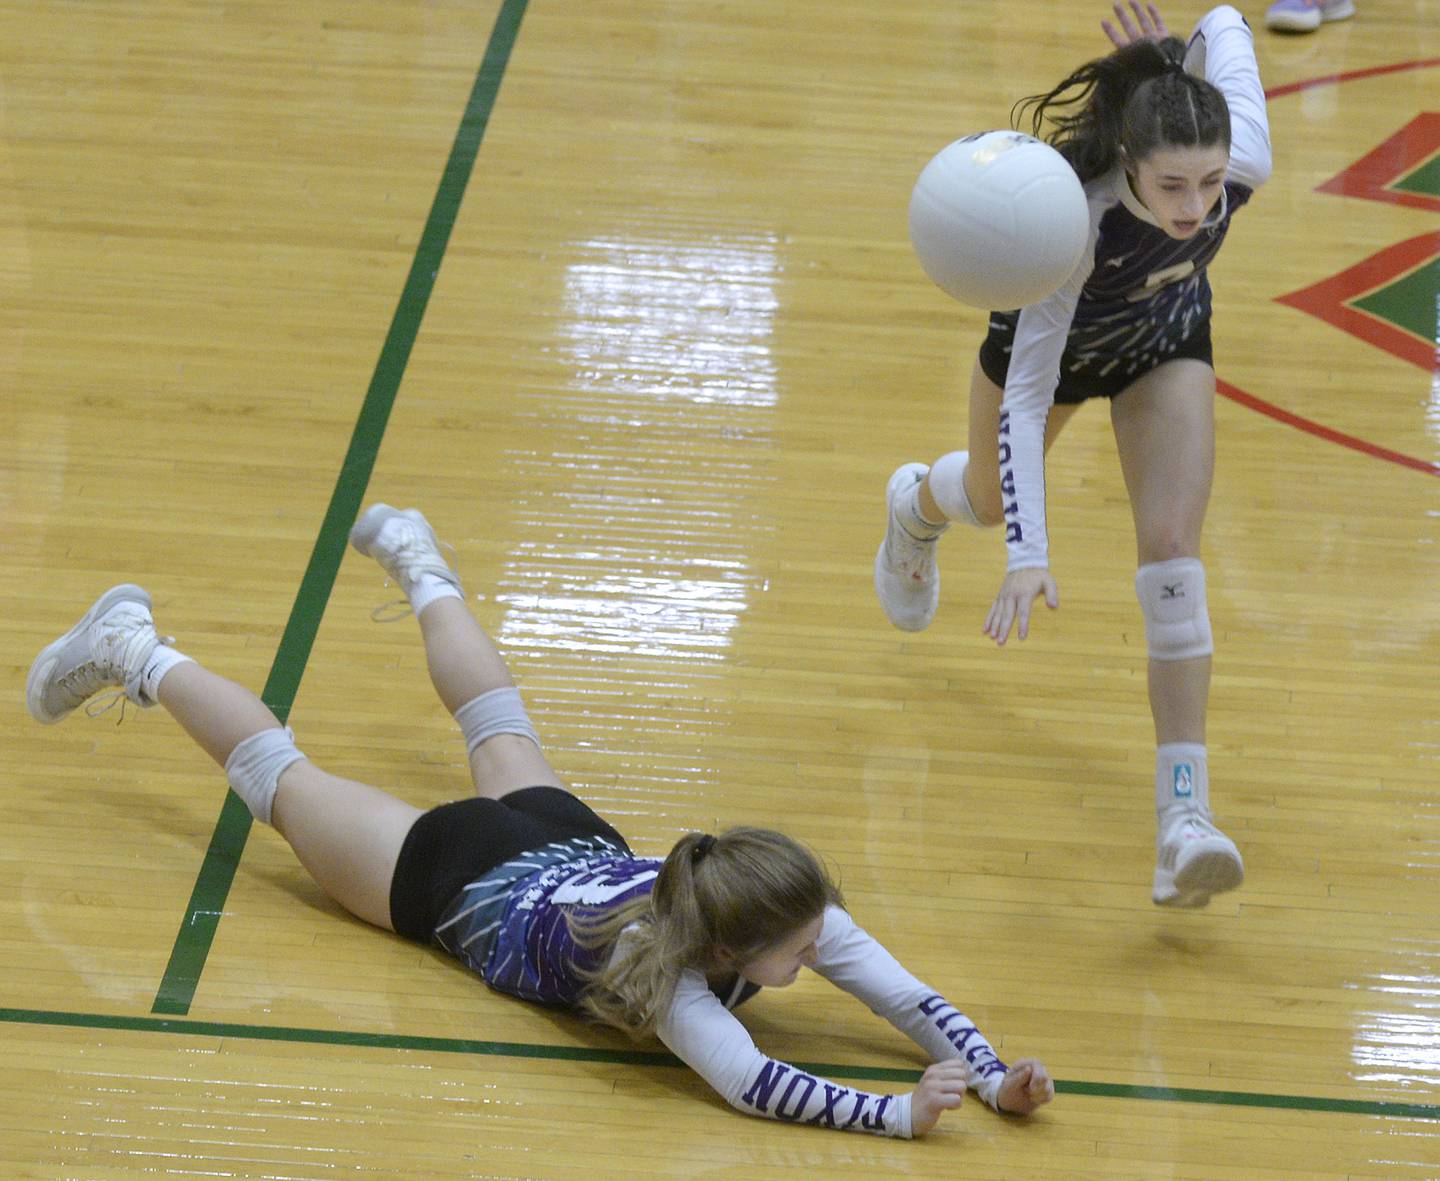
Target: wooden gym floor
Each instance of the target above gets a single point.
(621, 296)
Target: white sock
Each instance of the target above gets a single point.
(1182, 778)
(161, 661)
(912, 520)
(427, 588)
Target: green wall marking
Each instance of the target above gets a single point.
(217, 872)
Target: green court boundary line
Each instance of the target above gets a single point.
(476, 1047)
(232, 829)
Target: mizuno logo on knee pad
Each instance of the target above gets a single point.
(1172, 599)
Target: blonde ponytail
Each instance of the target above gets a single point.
(741, 892)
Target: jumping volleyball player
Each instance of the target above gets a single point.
(530, 888)
(1169, 141)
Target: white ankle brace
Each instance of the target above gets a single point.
(500, 711)
(1182, 777)
(255, 765)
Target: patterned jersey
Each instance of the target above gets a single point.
(511, 924)
(1146, 292)
(513, 927)
(1137, 293)
(537, 956)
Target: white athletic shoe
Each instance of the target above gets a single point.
(402, 541)
(1305, 16)
(1193, 861)
(107, 649)
(906, 578)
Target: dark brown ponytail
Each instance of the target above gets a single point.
(1138, 98)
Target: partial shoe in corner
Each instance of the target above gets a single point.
(1305, 16)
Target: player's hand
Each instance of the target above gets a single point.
(1026, 1086)
(1145, 25)
(942, 1088)
(1017, 595)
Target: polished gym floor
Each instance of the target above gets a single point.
(621, 295)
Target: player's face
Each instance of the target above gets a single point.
(778, 965)
(1180, 186)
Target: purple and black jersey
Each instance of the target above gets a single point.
(512, 926)
(1145, 295)
(1137, 296)
(509, 925)
(535, 954)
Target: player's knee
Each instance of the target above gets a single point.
(969, 503)
(254, 768)
(499, 711)
(1172, 599)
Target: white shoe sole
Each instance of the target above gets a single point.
(45, 663)
(1211, 866)
(1299, 23)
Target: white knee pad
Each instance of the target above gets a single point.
(947, 486)
(499, 711)
(1172, 598)
(254, 768)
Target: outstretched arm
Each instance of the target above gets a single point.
(1222, 50)
(1040, 336)
(853, 960)
(708, 1039)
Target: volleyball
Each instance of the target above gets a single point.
(998, 220)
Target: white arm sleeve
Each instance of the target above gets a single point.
(1029, 393)
(1222, 48)
(707, 1037)
(852, 959)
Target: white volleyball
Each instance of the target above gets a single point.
(998, 220)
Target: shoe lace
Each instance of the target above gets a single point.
(392, 611)
(1198, 821)
(105, 703)
(85, 680)
(1202, 822)
(413, 555)
(907, 553)
(124, 646)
